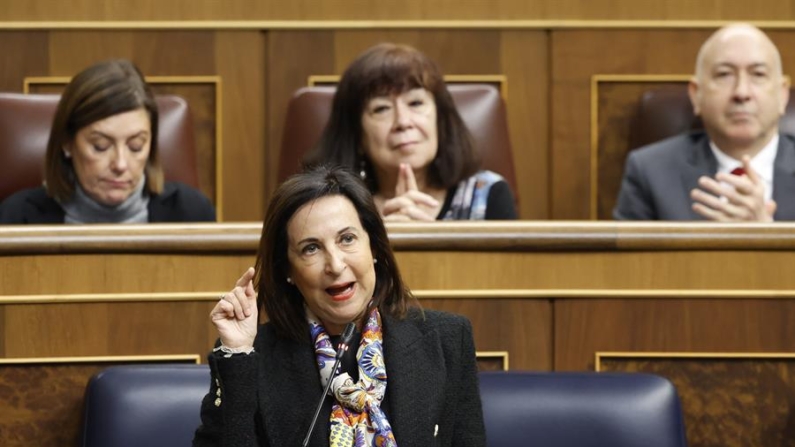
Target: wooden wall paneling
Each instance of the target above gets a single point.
(617, 102)
(400, 10)
(576, 57)
(733, 401)
(586, 326)
(109, 328)
(286, 73)
(596, 272)
(240, 62)
(520, 326)
(524, 60)
(22, 53)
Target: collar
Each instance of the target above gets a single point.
(762, 163)
(84, 209)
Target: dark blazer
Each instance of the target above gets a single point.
(177, 203)
(268, 398)
(658, 179)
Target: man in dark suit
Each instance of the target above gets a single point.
(740, 168)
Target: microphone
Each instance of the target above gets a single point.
(347, 334)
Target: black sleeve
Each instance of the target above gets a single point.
(469, 429)
(634, 201)
(501, 204)
(229, 411)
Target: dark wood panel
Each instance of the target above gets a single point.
(576, 57)
(617, 105)
(22, 53)
(286, 74)
(240, 62)
(522, 327)
(584, 327)
(525, 61)
(729, 402)
(42, 403)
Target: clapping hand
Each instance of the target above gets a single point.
(733, 198)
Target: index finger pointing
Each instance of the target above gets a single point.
(246, 278)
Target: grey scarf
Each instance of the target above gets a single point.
(83, 209)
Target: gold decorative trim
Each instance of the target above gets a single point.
(426, 294)
(595, 80)
(503, 355)
(502, 80)
(102, 359)
(214, 80)
(379, 24)
(598, 356)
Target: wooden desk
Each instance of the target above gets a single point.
(550, 294)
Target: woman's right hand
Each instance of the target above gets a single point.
(235, 314)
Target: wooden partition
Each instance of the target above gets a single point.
(548, 296)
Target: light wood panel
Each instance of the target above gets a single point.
(551, 295)
(584, 327)
(399, 10)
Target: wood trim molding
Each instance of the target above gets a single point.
(195, 358)
(427, 294)
(503, 356)
(379, 24)
(518, 236)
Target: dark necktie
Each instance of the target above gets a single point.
(738, 171)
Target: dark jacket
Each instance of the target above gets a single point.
(177, 203)
(268, 397)
(658, 178)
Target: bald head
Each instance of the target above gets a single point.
(739, 89)
(729, 36)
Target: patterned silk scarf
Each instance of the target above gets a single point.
(356, 416)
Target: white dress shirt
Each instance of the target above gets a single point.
(762, 163)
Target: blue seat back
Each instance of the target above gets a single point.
(580, 409)
(152, 405)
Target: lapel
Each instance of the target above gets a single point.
(700, 162)
(416, 378)
(289, 394)
(784, 179)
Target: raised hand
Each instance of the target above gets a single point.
(733, 198)
(409, 202)
(235, 314)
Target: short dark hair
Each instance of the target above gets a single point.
(282, 302)
(385, 69)
(104, 89)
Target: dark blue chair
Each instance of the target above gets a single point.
(580, 410)
(144, 405)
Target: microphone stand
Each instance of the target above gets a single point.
(347, 334)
